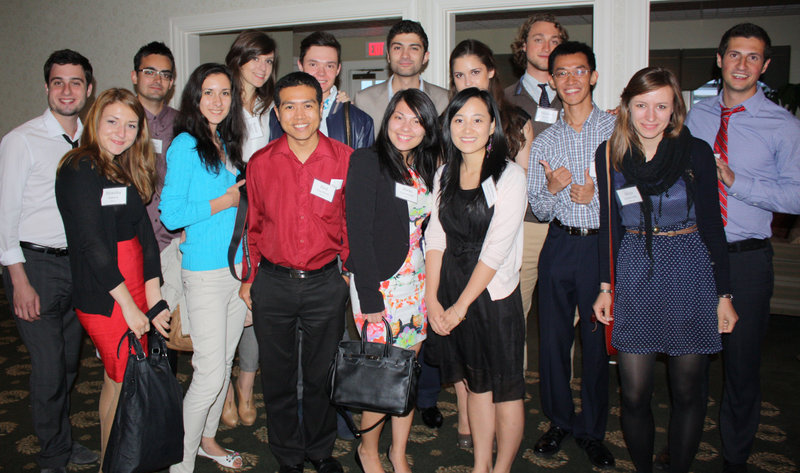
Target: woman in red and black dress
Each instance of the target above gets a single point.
(101, 187)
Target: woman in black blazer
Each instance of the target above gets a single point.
(388, 198)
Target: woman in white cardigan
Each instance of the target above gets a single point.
(474, 252)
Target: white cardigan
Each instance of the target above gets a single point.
(502, 246)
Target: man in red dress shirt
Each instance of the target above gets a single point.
(297, 236)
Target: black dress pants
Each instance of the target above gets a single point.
(281, 307)
(751, 282)
(53, 343)
(569, 278)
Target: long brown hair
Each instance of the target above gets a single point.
(513, 121)
(136, 165)
(246, 47)
(625, 138)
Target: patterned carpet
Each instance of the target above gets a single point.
(777, 446)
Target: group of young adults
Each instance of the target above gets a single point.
(450, 208)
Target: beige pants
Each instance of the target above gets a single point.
(217, 316)
(533, 240)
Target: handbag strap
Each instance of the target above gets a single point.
(347, 128)
(389, 338)
(352, 426)
(240, 234)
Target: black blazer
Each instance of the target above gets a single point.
(93, 231)
(377, 227)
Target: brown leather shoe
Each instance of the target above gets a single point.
(247, 409)
(229, 415)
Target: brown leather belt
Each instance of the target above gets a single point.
(657, 232)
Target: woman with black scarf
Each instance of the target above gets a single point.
(672, 292)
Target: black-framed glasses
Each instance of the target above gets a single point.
(152, 73)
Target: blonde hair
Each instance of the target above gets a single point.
(136, 166)
(625, 138)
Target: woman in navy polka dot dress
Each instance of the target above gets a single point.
(672, 291)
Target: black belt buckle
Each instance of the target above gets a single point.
(297, 274)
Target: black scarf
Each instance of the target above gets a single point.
(671, 161)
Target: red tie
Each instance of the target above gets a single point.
(721, 148)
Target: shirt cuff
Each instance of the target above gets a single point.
(12, 256)
(741, 186)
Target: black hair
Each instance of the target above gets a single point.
(68, 56)
(155, 47)
(294, 79)
(320, 38)
(407, 26)
(246, 47)
(191, 120)
(424, 156)
(493, 163)
(571, 47)
(746, 30)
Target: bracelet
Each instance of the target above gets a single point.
(346, 273)
(460, 318)
(726, 296)
(606, 291)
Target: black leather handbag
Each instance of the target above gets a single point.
(147, 434)
(377, 377)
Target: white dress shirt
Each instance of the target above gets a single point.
(257, 131)
(29, 157)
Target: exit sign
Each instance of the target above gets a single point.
(375, 49)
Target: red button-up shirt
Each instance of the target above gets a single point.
(287, 224)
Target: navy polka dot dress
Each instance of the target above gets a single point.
(667, 304)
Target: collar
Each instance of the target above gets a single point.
(55, 129)
(391, 92)
(324, 148)
(751, 106)
(328, 103)
(590, 121)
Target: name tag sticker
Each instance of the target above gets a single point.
(337, 183)
(114, 196)
(592, 171)
(254, 128)
(405, 192)
(157, 145)
(489, 191)
(547, 115)
(629, 195)
(322, 190)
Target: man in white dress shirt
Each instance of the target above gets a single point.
(33, 251)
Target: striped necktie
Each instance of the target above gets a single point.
(721, 148)
(544, 100)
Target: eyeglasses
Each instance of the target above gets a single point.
(152, 73)
(563, 73)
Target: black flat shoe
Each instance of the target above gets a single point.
(327, 465)
(550, 443)
(357, 457)
(291, 469)
(598, 454)
(432, 417)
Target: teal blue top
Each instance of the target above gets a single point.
(186, 203)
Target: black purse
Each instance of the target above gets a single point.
(376, 377)
(147, 434)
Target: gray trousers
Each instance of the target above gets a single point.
(54, 343)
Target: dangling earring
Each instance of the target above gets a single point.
(488, 147)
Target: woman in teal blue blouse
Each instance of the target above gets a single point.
(201, 195)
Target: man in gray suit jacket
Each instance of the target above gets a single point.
(407, 54)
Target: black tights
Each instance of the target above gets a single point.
(687, 375)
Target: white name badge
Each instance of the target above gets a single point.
(157, 145)
(322, 190)
(547, 115)
(337, 183)
(629, 195)
(254, 128)
(405, 192)
(114, 196)
(489, 191)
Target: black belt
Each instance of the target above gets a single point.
(747, 245)
(296, 273)
(44, 249)
(575, 231)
